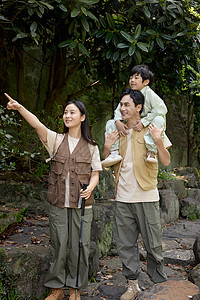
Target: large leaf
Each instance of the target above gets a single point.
(90, 15)
(108, 37)
(116, 56)
(131, 50)
(151, 32)
(137, 56)
(124, 54)
(127, 36)
(89, 2)
(83, 49)
(160, 42)
(110, 20)
(147, 12)
(143, 46)
(62, 7)
(122, 45)
(33, 27)
(85, 23)
(75, 12)
(138, 31)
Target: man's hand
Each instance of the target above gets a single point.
(139, 126)
(155, 132)
(122, 128)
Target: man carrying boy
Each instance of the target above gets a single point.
(154, 111)
(137, 198)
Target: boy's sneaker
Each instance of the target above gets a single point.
(111, 160)
(55, 294)
(152, 157)
(132, 290)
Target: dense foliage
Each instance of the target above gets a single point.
(85, 48)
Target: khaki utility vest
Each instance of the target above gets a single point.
(78, 164)
(145, 172)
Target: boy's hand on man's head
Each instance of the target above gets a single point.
(122, 128)
(139, 126)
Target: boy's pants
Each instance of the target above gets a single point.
(135, 218)
(151, 146)
(65, 232)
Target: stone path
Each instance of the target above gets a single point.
(109, 283)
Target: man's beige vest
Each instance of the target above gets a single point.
(145, 172)
(78, 164)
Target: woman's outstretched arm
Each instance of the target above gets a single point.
(29, 117)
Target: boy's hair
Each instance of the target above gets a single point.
(137, 96)
(145, 73)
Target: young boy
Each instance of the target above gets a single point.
(154, 111)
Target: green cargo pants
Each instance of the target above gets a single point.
(132, 219)
(64, 232)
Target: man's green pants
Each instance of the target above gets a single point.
(65, 233)
(132, 219)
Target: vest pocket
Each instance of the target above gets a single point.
(151, 168)
(57, 164)
(83, 165)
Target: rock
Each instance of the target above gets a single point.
(196, 249)
(196, 297)
(111, 292)
(179, 256)
(190, 208)
(177, 290)
(177, 186)
(194, 275)
(169, 206)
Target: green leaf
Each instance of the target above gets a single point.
(89, 2)
(47, 5)
(124, 54)
(100, 33)
(180, 9)
(151, 32)
(162, 19)
(85, 23)
(72, 45)
(131, 50)
(33, 27)
(139, 3)
(143, 46)
(177, 21)
(166, 36)
(71, 27)
(64, 44)
(103, 22)
(160, 42)
(180, 34)
(146, 12)
(83, 49)
(84, 10)
(116, 56)
(127, 36)
(20, 35)
(110, 20)
(90, 15)
(122, 45)
(108, 54)
(75, 12)
(62, 7)
(137, 56)
(138, 31)
(108, 37)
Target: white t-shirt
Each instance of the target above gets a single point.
(53, 142)
(128, 189)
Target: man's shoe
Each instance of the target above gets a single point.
(55, 294)
(111, 160)
(132, 290)
(152, 157)
(73, 293)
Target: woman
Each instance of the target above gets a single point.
(75, 161)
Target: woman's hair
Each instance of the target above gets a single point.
(85, 129)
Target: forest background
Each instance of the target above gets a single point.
(58, 50)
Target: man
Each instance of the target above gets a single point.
(137, 198)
